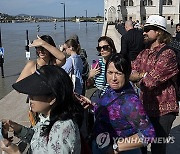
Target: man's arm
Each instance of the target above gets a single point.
(124, 47)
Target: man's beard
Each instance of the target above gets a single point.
(148, 41)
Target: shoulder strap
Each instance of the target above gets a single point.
(162, 49)
(73, 65)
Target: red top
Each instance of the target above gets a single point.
(157, 88)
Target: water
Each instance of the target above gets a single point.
(13, 41)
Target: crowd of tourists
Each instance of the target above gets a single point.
(134, 103)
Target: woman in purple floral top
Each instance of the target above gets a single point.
(124, 118)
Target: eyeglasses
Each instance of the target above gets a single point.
(148, 28)
(40, 48)
(104, 47)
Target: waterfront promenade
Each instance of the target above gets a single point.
(13, 105)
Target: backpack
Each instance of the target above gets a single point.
(175, 46)
(85, 72)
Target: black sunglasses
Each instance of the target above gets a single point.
(148, 28)
(39, 48)
(104, 47)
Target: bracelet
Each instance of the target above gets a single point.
(115, 147)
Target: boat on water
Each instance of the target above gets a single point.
(100, 22)
(77, 19)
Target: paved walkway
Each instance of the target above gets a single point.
(13, 105)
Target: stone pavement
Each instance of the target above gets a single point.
(13, 105)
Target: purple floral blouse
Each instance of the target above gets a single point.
(125, 117)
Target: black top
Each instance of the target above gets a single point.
(178, 36)
(132, 44)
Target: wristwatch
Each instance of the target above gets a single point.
(115, 147)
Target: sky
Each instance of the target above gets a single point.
(52, 7)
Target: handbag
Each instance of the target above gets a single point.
(96, 95)
(72, 74)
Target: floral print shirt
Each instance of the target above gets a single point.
(124, 117)
(157, 88)
(63, 138)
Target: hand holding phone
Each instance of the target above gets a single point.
(95, 64)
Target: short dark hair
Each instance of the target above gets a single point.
(109, 41)
(177, 25)
(121, 64)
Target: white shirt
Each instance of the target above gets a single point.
(64, 138)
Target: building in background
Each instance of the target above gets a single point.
(141, 9)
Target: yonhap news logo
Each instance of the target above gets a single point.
(145, 140)
(103, 140)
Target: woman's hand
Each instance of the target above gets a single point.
(9, 147)
(37, 42)
(94, 71)
(85, 102)
(8, 124)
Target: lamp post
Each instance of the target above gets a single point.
(86, 18)
(64, 21)
(118, 10)
(105, 11)
(160, 7)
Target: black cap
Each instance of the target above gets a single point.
(35, 85)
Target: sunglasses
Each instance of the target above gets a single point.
(39, 48)
(148, 28)
(104, 47)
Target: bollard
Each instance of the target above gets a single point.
(27, 46)
(38, 28)
(1, 56)
(1, 65)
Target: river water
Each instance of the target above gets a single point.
(14, 36)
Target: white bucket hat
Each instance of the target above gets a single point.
(157, 21)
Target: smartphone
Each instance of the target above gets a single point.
(95, 64)
(1, 136)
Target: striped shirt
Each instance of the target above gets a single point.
(100, 80)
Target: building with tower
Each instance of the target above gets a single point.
(141, 9)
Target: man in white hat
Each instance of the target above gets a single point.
(154, 73)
